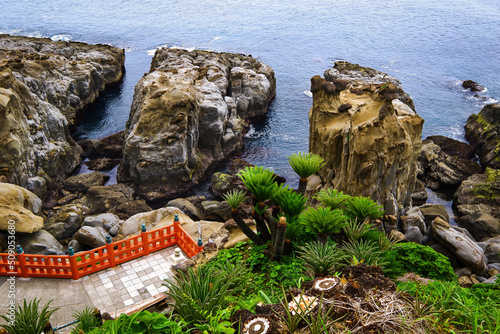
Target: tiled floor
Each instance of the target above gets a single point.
(116, 288)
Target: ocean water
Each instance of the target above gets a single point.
(430, 46)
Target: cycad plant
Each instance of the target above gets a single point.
(322, 221)
(28, 319)
(362, 208)
(363, 251)
(321, 258)
(86, 320)
(198, 293)
(305, 165)
(355, 229)
(234, 198)
(332, 198)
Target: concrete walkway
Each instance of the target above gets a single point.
(109, 290)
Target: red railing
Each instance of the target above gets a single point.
(110, 255)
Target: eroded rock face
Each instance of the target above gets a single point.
(21, 207)
(365, 127)
(483, 131)
(189, 112)
(44, 85)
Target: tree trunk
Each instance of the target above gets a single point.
(271, 222)
(302, 186)
(245, 229)
(280, 239)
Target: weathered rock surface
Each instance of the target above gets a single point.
(477, 201)
(461, 245)
(441, 168)
(431, 211)
(44, 85)
(41, 242)
(187, 207)
(91, 236)
(102, 199)
(65, 222)
(21, 206)
(473, 86)
(483, 131)
(216, 210)
(365, 127)
(189, 113)
(491, 249)
(82, 182)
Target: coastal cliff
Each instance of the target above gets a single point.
(365, 127)
(190, 112)
(44, 86)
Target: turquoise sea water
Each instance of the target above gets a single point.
(428, 45)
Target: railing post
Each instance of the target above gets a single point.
(111, 251)
(177, 226)
(200, 246)
(72, 263)
(22, 261)
(144, 240)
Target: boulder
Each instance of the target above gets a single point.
(82, 182)
(491, 249)
(105, 164)
(419, 195)
(20, 207)
(473, 86)
(105, 220)
(216, 210)
(477, 201)
(128, 209)
(92, 237)
(110, 147)
(483, 131)
(65, 222)
(211, 232)
(44, 87)
(413, 234)
(222, 183)
(453, 147)
(187, 207)
(431, 211)
(77, 246)
(152, 219)
(372, 148)
(413, 217)
(461, 245)
(102, 199)
(441, 169)
(189, 113)
(41, 242)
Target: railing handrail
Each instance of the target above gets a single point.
(113, 253)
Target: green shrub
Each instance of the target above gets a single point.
(422, 260)
(86, 320)
(362, 208)
(28, 318)
(320, 258)
(363, 251)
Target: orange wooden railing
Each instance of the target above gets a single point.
(85, 263)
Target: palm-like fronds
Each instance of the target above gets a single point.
(321, 258)
(355, 230)
(332, 198)
(322, 220)
(293, 230)
(86, 320)
(364, 251)
(305, 164)
(260, 182)
(28, 319)
(290, 202)
(197, 294)
(362, 208)
(234, 198)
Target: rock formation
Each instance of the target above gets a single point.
(20, 207)
(188, 113)
(483, 131)
(365, 127)
(44, 86)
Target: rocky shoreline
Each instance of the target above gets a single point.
(189, 113)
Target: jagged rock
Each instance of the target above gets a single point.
(102, 164)
(21, 206)
(37, 185)
(44, 86)
(66, 199)
(390, 223)
(491, 249)
(397, 236)
(215, 210)
(105, 220)
(91, 236)
(413, 234)
(453, 147)
(82, 182)
(128, 209)
(419, 195)
(187, 207)
(189, 113)
(105, 199)
(41, 242)
(152, 219)
(413, 217)
(109, 147)
(461, 245)
(483, 131)
(431, 211)
(478, 204)
(441, 169)
(371, 149)
(473, 86)
(222, 183)
(65, 222)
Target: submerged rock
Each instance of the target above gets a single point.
(188, 113)
(44, 86)
(483, 131)
(370, 149)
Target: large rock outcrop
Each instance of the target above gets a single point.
(188, 113)
(44, 85)
(365, 127)
(483, 131)
(20, 207)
